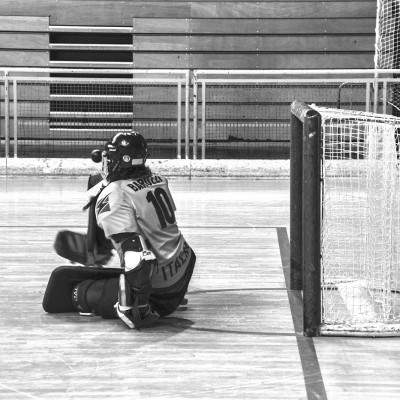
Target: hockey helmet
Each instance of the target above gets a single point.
(123, 150)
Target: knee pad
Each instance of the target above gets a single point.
(96, 297)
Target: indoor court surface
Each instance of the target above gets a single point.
(239, 337)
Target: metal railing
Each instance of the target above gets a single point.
(183, 114)
(67, 113)
(250, 110)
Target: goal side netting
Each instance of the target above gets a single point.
(387, 45)
(387, 34)
(360, 223)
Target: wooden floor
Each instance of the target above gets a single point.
(240, 336)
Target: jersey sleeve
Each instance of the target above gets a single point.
(115, 214)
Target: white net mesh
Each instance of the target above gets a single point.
(360, 221)
(387, 34)
(387, 40)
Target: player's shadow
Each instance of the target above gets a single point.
(171, 324)
(246, 311)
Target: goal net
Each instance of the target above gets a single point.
(387, 34)
(387, 41)
(360, 223)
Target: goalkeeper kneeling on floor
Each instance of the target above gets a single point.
(135, 215)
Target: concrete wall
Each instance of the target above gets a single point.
(190, 169)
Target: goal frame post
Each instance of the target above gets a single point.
(305, 212)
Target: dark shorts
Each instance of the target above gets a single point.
(167, 303)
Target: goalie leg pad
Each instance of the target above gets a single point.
(86, 296)
(109, 298)
(79, 294)
(57, 297)
(96, 297)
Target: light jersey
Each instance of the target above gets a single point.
(145, 206)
